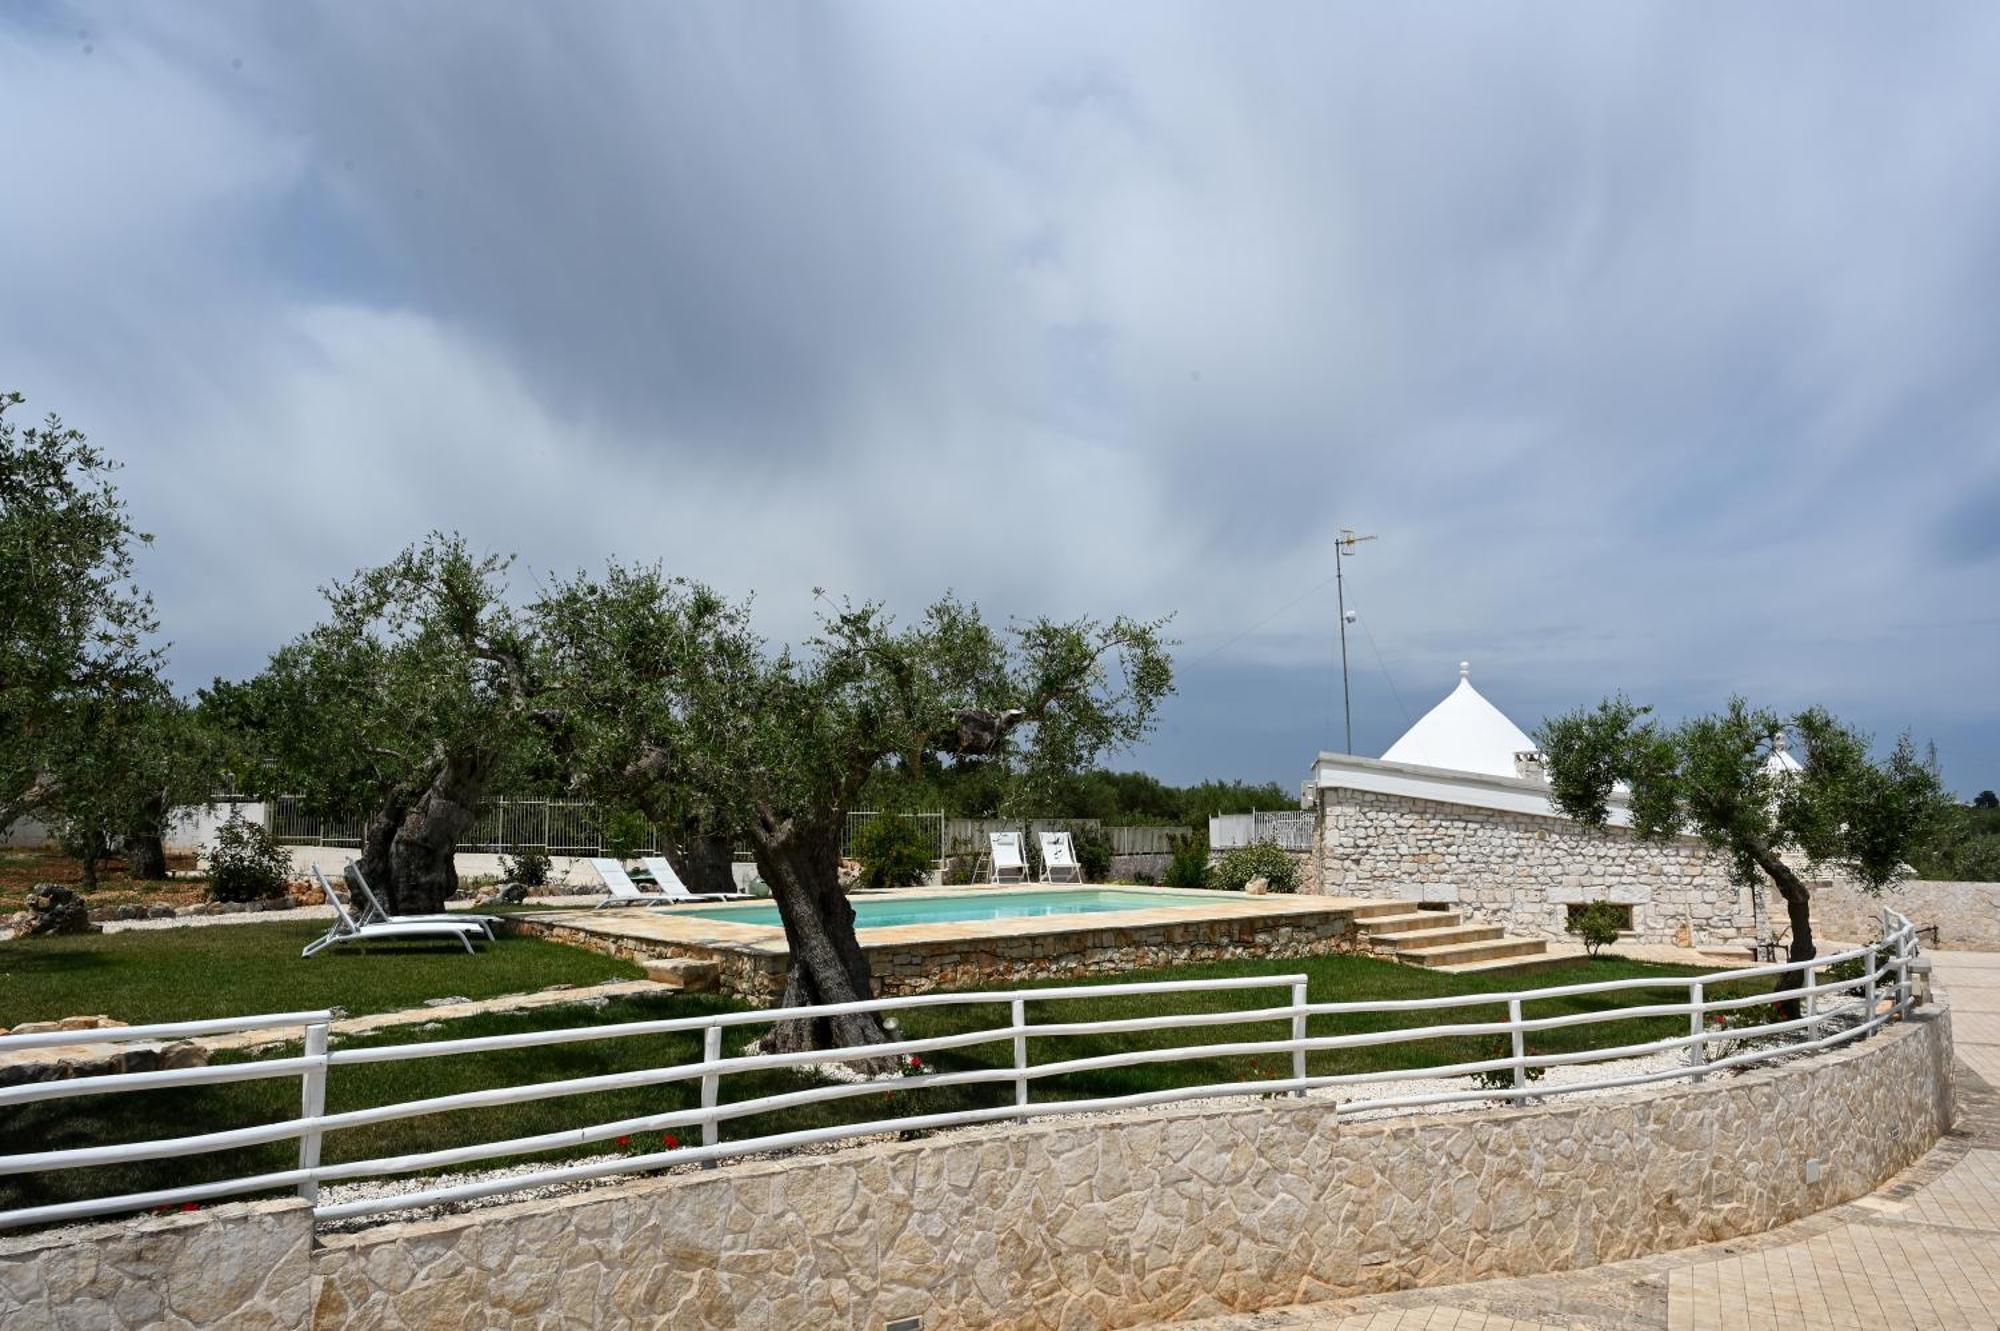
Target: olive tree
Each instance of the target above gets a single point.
(402, 709)
(74, 628)
(1719, 778)
(667, 685)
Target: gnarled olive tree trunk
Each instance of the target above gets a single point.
(1798, 910)
(423, 874)
(828, 966)
(706, 862)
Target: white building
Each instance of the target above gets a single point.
(1457, 811)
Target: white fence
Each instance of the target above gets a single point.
(1833, 1013)
(1291, 829)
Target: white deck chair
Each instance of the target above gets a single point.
(346, 929)
(1008, 866)
(674, 890)
(369, 907)
(1059, 858)
(624, 892)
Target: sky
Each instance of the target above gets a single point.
(1656, 343)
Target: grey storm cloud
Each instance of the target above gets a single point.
(1655, 340)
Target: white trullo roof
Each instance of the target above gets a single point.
(1465, 733)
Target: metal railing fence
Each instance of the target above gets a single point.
(1831, 1013)
(1290, 829)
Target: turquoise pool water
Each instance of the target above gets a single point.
(886, 913)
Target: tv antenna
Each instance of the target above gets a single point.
(1343, 549)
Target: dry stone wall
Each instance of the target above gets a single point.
(1967, 915)
(1521, 870)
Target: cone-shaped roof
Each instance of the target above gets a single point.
(1465, 733)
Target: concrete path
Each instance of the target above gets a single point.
(1923, 1252)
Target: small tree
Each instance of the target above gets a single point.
(74, 627)
(1986, 799)
(668, 687)
(1714, 777)
(1597, 924)
(404, 708)
(1187, 860)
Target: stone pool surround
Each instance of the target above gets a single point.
(1091, 1224)
(919, 958)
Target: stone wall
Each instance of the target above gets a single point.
(1521, 869)
(242, 1265)
(1129, 1221)
(1967, 915)
(1090, 1224)
(756, 973)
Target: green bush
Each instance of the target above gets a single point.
(894, 852)
(528, 866)
(626, 833)
(1597, 924)
(1188, 865)
(1265, 859)
(245, 864)
(1093, 851)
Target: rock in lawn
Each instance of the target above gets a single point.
(54, 909)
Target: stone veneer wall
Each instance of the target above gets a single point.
(1521, 870)
(1967, 915)
(758, 974)
(242, 1265)
(1087, 1224)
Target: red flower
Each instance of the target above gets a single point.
(189, 1206)
(671, 1142)
(624, 1141)
(916, 1064)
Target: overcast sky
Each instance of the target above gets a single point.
(1659, 343)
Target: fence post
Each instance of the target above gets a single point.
(1698, 1051)
(1902, 960)
(1020, 1054)
(312, 1104)
(1299, 1034)
(1868, 990)
(1520, 1049)
(711, 1086)
(1811, 974)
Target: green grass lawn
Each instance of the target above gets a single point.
(97, 1119)
(227, 970)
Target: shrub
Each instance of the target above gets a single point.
(894, 852)
(626, 832)
(1596, 924)
(245, 864)
(528, 866)
(1141, 878)
(1093, 851)
(1265, 859)
(1188, 864)
(959, 870)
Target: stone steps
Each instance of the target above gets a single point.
(1489, 950)
(1408, 921)
(1523, 965)
(1433, 938)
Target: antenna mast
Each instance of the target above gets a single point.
(1343, 548)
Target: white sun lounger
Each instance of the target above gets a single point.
(673, 889)
(1059, 858)
(369, 906)
(1008, 866)
(347, 930)
(624, 892)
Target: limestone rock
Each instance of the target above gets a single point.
(1258, 886)
(54, 909)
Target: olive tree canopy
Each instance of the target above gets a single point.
(1723, 778)
(665, 686)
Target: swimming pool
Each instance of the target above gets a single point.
(889, 912)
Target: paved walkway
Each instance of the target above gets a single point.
(1922, 1252)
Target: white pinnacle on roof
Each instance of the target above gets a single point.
(1465, 733)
